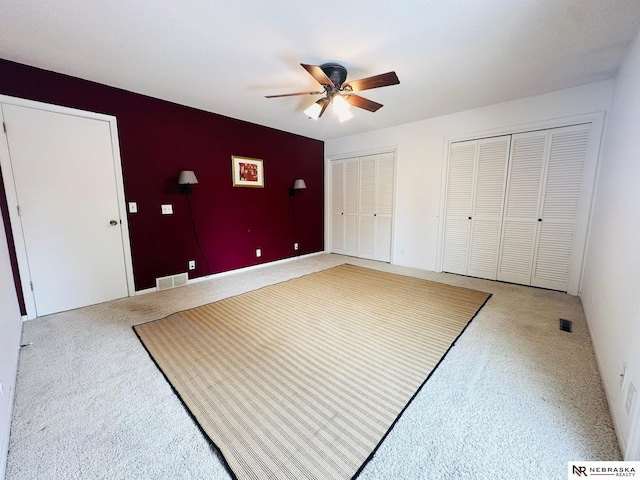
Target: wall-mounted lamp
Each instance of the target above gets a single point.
(185, 180)
(297, 185)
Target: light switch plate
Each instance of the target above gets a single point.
(258, 252)
(133, 207)
(167, 209)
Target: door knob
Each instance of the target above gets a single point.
(113, 222)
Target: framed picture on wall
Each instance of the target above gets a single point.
(247, 172)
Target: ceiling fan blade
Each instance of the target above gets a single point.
(377, 81)
(317, 73)
(361, 102)
(293, 94)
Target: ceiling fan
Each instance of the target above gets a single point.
(332, 77)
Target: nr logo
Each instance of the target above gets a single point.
(579, 471)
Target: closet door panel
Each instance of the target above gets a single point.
(456, 241)
(516, 254)
(350, 222)
(525, 175)
(461, 171)
(560, 203)
(493, 156)
(385, 166)
(488, 203)
(337, 207)
(336, 234)
(384, 184)
(365, 237)
(553, 256)
(383, 238)
(522, 203)
(462, 157)
(366, 230)
(367, 185)
(484, 248)
(351, 235)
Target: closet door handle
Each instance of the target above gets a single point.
(539, 219)
(469, 218)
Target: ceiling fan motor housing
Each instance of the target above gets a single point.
(336, 73)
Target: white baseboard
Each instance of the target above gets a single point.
(238, 270)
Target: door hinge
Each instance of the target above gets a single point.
(19, 212)
(31, 283)
(4, 127)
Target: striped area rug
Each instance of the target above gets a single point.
(303, 379)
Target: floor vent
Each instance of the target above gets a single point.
(172, 281)
(565, 325)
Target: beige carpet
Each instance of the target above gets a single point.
(303, 379)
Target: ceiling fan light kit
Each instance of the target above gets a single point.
(332, 77)
(313, 110)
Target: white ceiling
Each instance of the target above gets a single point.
(225, 56)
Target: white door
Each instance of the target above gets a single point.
(65, 185)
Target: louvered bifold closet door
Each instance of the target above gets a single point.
(520, 220)
(366, 207)
(487, 206)
(351, 207)
(559, 209)
(337, 207)
(383, 214)
(460, 183)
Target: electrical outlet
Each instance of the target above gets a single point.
(623, 376)
(167, 209)
(192, 264)
(630, 396)
(258, 252)
(295, 246)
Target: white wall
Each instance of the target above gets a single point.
(10, 332)
(420, 147)
(611, 287)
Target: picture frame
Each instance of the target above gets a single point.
(247, 172)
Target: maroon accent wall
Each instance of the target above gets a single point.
(158, 139)
(13, 259)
